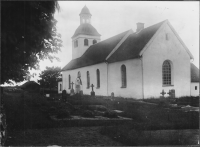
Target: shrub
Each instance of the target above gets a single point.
(110, 114)
(63, 114)
(52, 109)
(87, 113)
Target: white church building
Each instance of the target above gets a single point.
(138, 64)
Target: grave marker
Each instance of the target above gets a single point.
(92, 92)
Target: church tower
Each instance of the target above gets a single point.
(85, 35)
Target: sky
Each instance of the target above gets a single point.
(113, 17)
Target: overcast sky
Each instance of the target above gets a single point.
(111, 18)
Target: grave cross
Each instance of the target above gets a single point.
(163, 93)
(72, 84)
(92, 86)
(169, 93)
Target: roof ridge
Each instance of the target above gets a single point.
(104, 41)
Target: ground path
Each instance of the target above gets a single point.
(70, 136)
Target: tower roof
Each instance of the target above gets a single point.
(86, 29)
(85, 10)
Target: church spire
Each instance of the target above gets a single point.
(85, 15)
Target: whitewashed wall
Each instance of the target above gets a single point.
(93, 78)
(193, 91)
(153, 58)
(134, 79)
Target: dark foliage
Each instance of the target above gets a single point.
(87, 113)
(28, 34)
(63, 114)
(110, 114)
(50, 77)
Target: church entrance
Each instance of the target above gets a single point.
(78, 84)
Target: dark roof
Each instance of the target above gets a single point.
(86, 29)
(96, 53)
(194, 73)
(132, 46)
(85, 10)
(129, 49)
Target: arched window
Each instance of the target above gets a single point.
(167, 73)
(79, 75)
(86, 42)
(76, 43)
(94, 41)
(69, 82)
(98, 78)
(123, 74)
(60, 87)
(88, 79)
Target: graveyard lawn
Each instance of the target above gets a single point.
(25, 111)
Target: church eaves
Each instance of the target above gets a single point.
(194, 73)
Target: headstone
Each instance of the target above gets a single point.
(64, 95)
(163, 94)
(112, 95)
(173, 93)
(72, 90)
(170, 93)
(92, 92)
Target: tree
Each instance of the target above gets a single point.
(50, 77)
(28, 35)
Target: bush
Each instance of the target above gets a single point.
(110, 114)
(87, 113)
(52, 109)
(63, 114)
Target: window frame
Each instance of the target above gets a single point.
(123, 76)
(86, 42)
(69, 80)
(88, 79)
(94, 41)
(167, 73)
(98, 78)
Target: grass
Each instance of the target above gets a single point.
(31, 111)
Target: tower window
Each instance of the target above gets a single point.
(76, 43)
(85, 42)
(195, 87)
(94, 41)
(123, 74)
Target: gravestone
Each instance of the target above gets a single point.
(112, 95)
(72, 90)
(92, 92)
(163, 94)
(64, 95)
(173, 93)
